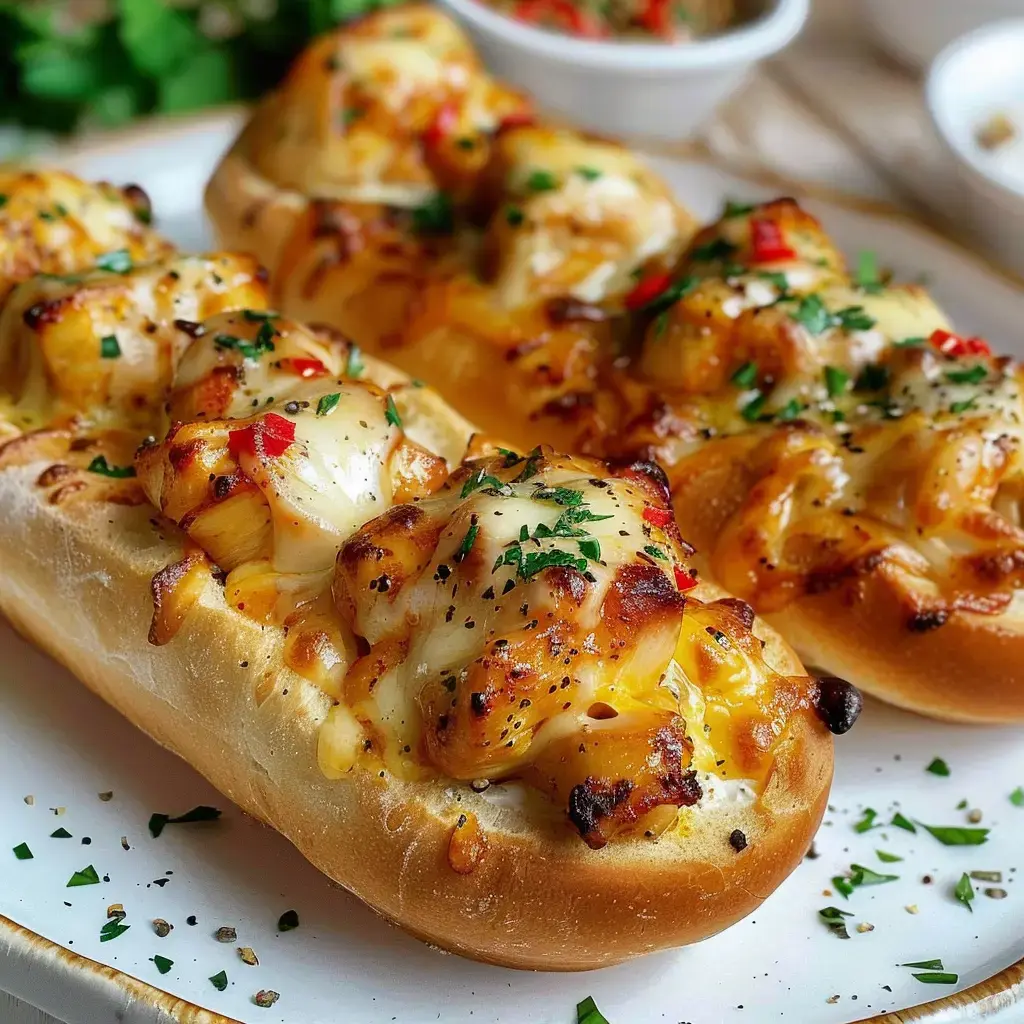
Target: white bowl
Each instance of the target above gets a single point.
(973, 78)
(915, 31)
(654, 90)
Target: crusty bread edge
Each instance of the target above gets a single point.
(75, 579)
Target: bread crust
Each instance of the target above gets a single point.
(76, 581)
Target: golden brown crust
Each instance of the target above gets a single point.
(220, 697)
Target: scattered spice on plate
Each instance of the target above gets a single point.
(987, 876)
(912, 908)
(124, 843)
(109, 795)
(974, 816)
(22, 852)
(832, 1000)
(116, 910)
(58, 810)
(157, 822)
(219, 981)
(162, 928)
(192, 919)
(996, 894)
(997, 131)
(225, 934)
(288, 921)
(163, 965)
(248, 956)
(30, 800)
(865, 927)
(266, 997)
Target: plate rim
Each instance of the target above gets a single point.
(1001, 991)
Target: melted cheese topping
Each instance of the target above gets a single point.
(100, 347)
(589, 214)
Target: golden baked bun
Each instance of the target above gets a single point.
(483, 690)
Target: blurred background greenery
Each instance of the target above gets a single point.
(67, 65)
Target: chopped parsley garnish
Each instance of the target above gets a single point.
(736, 209)
(670, 296)
(514, 216)
(938, 767)
(101, 466)
(467, 542)
(435, 217)
(328, 403)
(958, 407)
(904, 823)
(964, 891)
(588, 1013)
(909, 343)
(790, 410)
(391, 413)
(655, 552)
(61, 833)
(288, 921)
(249, 349)
(956, 835)
(887, 858)
(258, 316)
(661, 324)
(716, 249)
(975, 375)
(590, 173)
(200, 813)
(87, 876)
(866, 276)
(541, 181)
(354, 366)
(3, 200)
(937, 978)
(835, 381)
(751, 412)
(533, 562)
(163, 965)
(833, 918)
(219, 981)
(112, 929)
(591, 549)
(1017, 797)
(777, 278)
(117, 262)
(858, 877)
(873, 377)
(109, 348)
(867, 821)
(854, 318)
(559, 495)
(351, 114)
(481, 479)
(843, 886)
(22, 852)
(813, 315)
(745, 376)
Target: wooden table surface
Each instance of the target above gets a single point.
(831, 110)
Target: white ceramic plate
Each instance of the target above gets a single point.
(63, 746)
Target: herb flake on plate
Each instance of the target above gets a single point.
(887, 858)
(219, 980)
(288, 921)
(201, 813)
(1017, 797)
(87, 876)
(113, 928)
(163, 965)
(867, 821)
(22, 852)
(61, 833)
(899, 821)
(588, 1013)
(956, 835)
(964, 891)
(833, 919)
(938, 767)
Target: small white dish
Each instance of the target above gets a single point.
(915, 31)
(972, 80)
(640, 90)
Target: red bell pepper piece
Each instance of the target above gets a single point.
(304, 367)
(267, 437)
(656, 17)
(684, 581)
(562, 13)
(950, 344)
(444, 123)
(646, 290)
(658, 516)
(767, 242)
